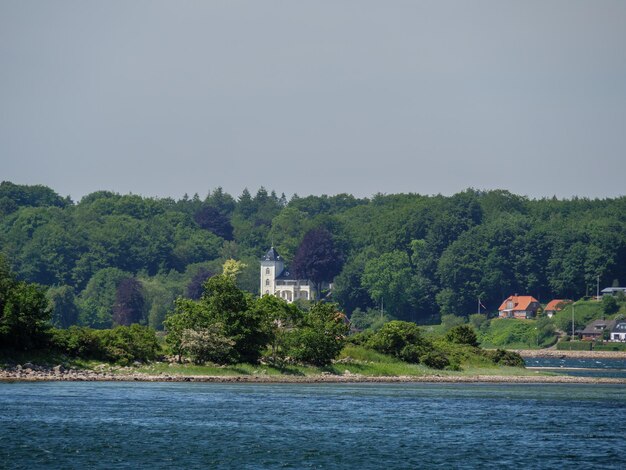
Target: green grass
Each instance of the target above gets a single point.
(574, 346)
(610, 347)
(352, 360)
(584, 312)
(511, 333)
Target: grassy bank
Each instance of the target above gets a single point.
(517, 334)
(353, 360)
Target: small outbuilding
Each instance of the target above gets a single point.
(555, 306)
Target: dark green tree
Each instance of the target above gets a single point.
(195, 288)
(24, 316)
(210, 218)
(317, 258)
(62, 305)
(129, 302)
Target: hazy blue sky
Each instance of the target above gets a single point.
(310, 97)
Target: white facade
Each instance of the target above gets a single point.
(619, 332)
(270, 270)
(276, 280)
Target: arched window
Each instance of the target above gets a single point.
(267, 282)
(267, 292)
(267, 270)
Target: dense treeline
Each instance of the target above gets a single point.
(113, 259)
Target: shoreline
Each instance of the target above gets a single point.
(91, 376)
(570, 354)
(36, 373)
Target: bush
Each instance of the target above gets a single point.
(574, 346)
(207, 344)
(479, 321)
(435, 360)
(462, 334)
(320, 338)
(401, 339)
(609, 305)
(505, 358)
(123, 344)
(370, 319)
(77, 341)
(610, 347)
(450, 321)
(360, 338)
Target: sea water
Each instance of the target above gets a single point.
(582, 367)
(363, 426)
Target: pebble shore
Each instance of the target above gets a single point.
(571, 354)
(32, 373)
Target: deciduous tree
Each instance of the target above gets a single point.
(317, 258)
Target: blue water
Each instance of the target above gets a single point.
(364, 426)
(584, 367)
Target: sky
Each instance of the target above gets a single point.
(163, 98)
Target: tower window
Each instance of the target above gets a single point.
(267, 270)
(267, 282)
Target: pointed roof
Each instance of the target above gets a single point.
(598, 326)
(520, 302)
(557, 304)
(272, 255)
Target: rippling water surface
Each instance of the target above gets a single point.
(584, 367)
(187, 425)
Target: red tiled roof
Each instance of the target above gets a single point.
(557, 304)
(520, 302)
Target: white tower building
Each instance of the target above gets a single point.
(277, 280)
(272, 266)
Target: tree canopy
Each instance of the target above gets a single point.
(421, 256)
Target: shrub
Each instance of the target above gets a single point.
(462, 334)
(207, 344)
(435, 360)
(401, 339)
(505, 358)
(450, 321)
(77, 341)
(609, 304)
(574, 346)
(370, 319)
(360, 339)
(123, 344)
(479, 321)
(320, 338)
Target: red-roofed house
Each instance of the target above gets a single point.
(519, 306)
(555, 305)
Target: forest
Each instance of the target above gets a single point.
(111, 259)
